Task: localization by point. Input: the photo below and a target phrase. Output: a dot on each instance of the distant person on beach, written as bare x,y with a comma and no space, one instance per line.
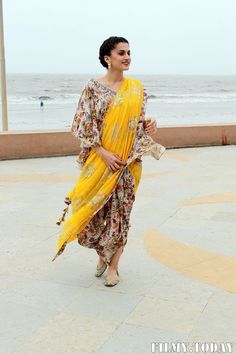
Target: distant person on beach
110,123
41,104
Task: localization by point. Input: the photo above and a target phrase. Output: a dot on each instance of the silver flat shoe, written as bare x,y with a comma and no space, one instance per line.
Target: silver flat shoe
100,270
112,282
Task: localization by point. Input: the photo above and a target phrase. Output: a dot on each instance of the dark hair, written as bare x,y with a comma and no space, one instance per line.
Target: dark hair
107,46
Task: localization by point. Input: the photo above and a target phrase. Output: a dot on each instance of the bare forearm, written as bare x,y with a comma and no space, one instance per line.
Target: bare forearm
99,149
112,160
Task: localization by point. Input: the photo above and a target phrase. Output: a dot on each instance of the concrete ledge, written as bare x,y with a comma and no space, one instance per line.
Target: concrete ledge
28,144
40,143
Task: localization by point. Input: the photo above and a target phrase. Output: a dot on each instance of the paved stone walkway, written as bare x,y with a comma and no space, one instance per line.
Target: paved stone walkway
177,272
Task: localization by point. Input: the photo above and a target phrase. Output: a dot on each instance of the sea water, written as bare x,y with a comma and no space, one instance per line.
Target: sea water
172,99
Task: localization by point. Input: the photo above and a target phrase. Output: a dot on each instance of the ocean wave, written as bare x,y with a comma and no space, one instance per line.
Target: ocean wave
66,84
73,98
61,99
194,98
45,98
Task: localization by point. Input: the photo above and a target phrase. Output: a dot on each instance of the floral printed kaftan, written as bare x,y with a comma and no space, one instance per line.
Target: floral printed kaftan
108,229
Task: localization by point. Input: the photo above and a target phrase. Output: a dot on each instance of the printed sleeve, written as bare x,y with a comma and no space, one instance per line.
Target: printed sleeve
85,123
140,128
145,144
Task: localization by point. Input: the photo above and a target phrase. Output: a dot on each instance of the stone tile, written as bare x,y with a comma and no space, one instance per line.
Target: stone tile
19,322
174,286
45,294
217,323
130,339
167,314
67,333
16,236
9,284
103,304
217,237
30,261
75,267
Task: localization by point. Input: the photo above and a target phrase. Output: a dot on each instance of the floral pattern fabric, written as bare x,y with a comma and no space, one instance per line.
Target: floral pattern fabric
108,229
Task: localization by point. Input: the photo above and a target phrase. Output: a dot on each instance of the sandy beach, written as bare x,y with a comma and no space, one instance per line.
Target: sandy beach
60,116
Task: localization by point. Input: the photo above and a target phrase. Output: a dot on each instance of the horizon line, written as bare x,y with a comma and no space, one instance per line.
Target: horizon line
143,74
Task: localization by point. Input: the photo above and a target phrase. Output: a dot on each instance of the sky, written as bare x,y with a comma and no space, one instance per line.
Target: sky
166,37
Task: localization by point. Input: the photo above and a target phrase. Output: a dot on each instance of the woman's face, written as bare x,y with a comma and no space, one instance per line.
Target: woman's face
120,57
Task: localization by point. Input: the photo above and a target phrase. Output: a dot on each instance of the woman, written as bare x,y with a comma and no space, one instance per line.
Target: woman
109,121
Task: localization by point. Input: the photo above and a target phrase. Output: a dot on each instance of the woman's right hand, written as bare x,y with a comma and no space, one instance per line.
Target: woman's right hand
112,160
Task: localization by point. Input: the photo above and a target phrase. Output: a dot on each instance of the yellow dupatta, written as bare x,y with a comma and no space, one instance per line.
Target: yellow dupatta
96,182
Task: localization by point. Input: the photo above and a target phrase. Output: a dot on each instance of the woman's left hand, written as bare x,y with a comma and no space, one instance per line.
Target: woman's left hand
151,127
